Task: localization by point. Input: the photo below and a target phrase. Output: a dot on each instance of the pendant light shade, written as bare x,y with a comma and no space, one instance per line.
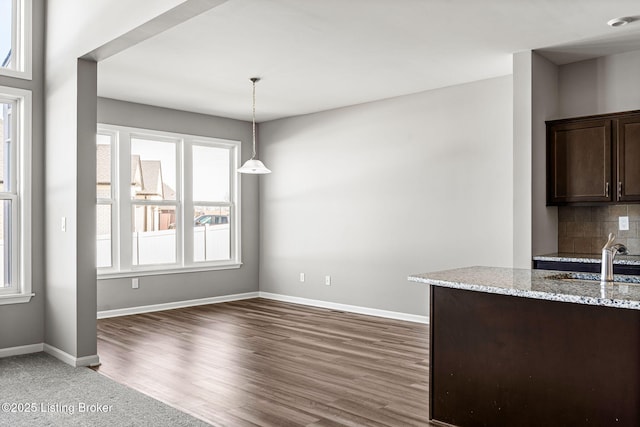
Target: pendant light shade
253,165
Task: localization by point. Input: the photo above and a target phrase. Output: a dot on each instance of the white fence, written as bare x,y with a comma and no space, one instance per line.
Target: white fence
210,243
154,247
103,250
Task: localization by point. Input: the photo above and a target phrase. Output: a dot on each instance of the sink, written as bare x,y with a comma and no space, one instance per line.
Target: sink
618,278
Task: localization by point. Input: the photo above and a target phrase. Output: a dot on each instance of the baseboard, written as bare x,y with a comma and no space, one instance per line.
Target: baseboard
20,350
268,295
348,308
173,305
53,351
71,360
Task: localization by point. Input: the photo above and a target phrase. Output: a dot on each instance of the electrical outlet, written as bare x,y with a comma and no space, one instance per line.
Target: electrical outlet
302,277
135,284
327,280
623,223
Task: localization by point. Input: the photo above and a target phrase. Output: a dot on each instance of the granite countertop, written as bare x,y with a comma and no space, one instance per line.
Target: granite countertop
588,258
540,284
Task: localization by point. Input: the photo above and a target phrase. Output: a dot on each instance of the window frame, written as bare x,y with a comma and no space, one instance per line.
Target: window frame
127,203
112,201
19,290
21,41
121,227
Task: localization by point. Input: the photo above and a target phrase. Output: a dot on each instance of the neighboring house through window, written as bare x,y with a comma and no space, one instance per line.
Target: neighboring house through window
165,201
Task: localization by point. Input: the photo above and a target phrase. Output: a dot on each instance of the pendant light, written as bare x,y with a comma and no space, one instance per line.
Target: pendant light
253,165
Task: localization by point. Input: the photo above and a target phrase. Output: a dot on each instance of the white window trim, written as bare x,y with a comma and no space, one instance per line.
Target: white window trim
22,41
20,292
121,214
113,202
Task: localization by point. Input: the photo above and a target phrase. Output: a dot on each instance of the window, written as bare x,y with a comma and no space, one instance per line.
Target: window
212,203
165,202
153,199
15,38
105,198
15,195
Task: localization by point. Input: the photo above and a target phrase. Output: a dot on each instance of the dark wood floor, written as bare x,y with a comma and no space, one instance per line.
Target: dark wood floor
266,363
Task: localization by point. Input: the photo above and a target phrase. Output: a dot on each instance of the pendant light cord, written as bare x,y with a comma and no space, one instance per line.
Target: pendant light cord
253,165
254,80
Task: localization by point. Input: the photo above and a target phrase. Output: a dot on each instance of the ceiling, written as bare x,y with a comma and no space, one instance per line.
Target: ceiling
315,55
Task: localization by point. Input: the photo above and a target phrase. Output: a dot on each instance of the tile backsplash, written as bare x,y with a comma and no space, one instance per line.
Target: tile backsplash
584,230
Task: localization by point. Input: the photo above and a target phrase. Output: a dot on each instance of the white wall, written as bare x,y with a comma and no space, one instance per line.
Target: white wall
372,193
602,85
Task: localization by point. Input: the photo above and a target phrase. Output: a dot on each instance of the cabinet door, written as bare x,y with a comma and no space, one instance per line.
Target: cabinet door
579,162
628,159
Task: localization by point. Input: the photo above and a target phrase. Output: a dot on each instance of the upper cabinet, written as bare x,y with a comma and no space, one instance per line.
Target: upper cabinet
579,161
594,160
628,156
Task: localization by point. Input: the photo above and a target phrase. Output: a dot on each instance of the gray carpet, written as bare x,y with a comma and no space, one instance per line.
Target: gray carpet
46,392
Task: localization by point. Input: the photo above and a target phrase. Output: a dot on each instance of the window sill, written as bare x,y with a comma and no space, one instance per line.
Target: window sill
157,272
15,298
9,72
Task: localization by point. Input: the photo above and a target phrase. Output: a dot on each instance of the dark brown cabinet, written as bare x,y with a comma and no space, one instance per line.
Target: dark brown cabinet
594,160
628,156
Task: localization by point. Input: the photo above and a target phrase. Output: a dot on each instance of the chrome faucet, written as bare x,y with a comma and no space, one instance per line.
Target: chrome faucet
609,252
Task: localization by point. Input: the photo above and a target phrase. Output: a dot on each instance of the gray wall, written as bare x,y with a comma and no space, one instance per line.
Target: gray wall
73,29
544,106
23,324
85,265
372,193
522,158
117,293
535,87
602,85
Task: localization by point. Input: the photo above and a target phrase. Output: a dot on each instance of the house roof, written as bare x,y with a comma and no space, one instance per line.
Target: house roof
169,193
153,181
136,172
152,184
146,175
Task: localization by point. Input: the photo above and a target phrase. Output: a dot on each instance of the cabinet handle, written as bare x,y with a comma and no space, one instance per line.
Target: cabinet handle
619,190
606,190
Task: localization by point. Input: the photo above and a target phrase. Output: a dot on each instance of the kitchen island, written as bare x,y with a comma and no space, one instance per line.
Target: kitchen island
512,347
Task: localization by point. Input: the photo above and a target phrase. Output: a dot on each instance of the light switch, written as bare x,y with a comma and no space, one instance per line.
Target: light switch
623,223
63,224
